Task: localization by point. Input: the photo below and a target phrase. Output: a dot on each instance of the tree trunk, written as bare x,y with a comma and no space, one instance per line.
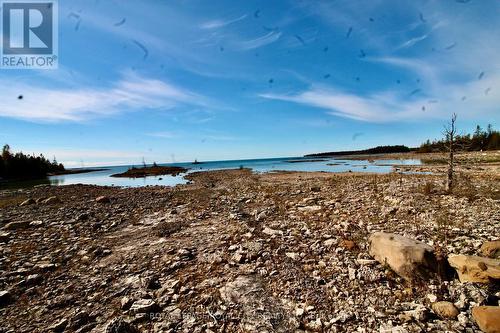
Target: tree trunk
450,133
449,186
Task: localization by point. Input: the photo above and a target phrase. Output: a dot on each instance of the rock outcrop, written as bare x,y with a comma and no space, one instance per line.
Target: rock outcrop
475,269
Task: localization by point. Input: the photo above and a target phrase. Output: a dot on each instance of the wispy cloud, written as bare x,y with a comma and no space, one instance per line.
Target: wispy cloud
215,24
412,41
132,92
267,39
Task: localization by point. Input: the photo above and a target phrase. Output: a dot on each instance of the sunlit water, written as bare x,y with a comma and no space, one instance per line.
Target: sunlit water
257,165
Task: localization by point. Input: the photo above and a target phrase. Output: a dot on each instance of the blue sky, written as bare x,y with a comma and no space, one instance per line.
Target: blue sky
208,80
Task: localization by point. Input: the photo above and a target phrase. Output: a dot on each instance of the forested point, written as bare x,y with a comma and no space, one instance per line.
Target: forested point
480,140
22,166
376,150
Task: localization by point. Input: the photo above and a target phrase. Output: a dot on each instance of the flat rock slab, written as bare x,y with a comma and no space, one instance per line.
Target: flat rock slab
260,311
409,258
475,269
487,318
143,306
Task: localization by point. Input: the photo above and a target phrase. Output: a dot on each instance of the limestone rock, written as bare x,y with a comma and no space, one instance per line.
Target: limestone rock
118,325
27,202
103,199
445,309
487,318
408,258
491,249
271,232
475,269
249,294
52,201
143,306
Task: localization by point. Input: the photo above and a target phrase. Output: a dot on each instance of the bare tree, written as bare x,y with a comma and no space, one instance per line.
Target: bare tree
450,131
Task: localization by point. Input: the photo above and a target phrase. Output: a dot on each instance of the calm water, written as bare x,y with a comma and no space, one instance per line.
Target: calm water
257,165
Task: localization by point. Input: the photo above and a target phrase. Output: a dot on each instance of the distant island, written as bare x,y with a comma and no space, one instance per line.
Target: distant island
153,170
371,151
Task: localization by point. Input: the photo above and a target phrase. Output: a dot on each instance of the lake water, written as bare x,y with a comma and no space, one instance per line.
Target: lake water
257,165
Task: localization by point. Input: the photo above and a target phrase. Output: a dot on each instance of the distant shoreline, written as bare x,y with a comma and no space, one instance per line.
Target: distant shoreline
370,151
75,171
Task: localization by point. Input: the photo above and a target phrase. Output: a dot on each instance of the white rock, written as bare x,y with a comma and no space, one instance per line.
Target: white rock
143,306
432,298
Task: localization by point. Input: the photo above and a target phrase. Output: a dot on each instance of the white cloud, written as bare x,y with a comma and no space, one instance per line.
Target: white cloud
131,93
389,106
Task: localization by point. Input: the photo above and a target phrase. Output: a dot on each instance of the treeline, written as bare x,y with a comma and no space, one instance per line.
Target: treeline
21,166
488,139
376,150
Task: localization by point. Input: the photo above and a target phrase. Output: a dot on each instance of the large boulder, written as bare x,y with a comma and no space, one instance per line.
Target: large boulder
475,269
445,309
487,318
411,259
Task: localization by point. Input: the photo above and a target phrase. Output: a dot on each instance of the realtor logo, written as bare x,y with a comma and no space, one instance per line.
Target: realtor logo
29,34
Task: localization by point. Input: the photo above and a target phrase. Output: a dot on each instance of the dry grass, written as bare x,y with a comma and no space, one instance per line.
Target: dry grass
465,187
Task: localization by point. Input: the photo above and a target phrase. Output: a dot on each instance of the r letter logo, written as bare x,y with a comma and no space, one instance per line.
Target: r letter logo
29,34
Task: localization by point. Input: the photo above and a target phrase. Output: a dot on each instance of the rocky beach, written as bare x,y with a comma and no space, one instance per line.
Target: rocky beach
236,251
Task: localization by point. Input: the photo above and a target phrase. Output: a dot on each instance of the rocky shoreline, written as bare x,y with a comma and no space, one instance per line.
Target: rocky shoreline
235,251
